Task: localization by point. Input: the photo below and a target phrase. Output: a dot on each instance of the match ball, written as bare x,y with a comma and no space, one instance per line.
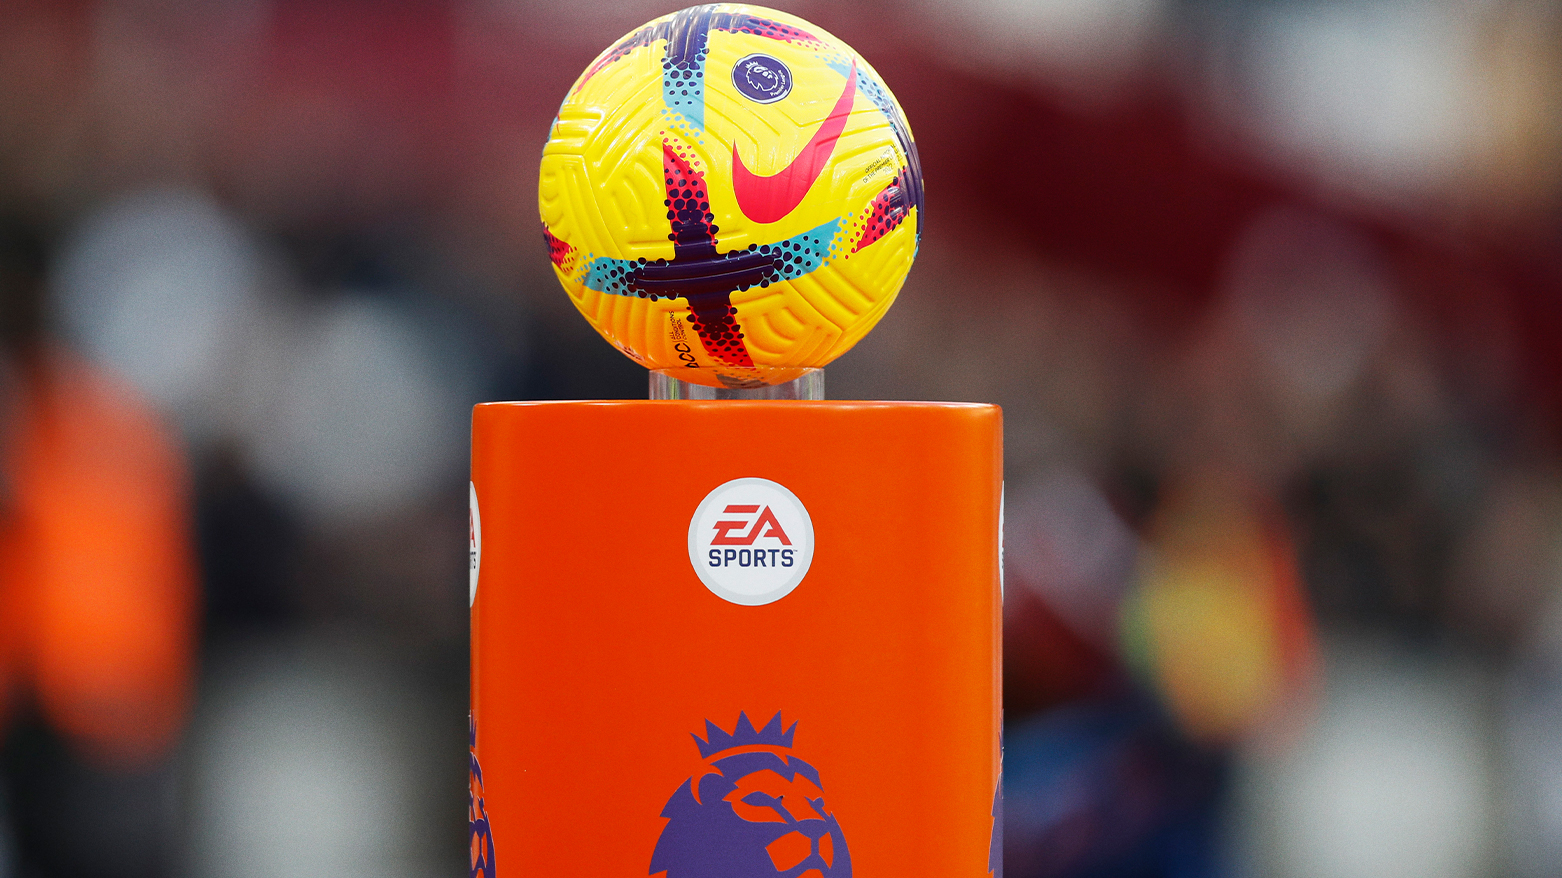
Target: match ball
731,194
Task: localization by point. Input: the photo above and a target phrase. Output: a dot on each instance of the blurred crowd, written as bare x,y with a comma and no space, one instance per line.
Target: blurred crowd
1270,292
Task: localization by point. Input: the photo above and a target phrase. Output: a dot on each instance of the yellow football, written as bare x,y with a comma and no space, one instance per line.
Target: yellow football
731,194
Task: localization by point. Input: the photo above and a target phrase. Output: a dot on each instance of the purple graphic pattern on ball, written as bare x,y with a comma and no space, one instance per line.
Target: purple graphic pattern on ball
753,811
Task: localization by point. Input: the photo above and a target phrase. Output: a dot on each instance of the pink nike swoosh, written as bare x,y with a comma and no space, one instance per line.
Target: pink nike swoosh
768,199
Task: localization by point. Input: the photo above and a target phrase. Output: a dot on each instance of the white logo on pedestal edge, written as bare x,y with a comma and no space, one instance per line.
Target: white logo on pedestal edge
474,526
751,541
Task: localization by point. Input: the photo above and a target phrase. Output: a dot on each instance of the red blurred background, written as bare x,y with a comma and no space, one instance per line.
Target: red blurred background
1271,293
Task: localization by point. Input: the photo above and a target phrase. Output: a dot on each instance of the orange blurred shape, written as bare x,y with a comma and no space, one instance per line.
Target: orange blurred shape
1217,620
97,572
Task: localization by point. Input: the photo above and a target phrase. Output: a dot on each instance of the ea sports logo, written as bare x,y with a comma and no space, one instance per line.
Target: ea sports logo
751,541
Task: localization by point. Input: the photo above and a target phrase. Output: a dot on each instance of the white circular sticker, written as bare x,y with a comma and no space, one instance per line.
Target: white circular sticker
751,541
474,527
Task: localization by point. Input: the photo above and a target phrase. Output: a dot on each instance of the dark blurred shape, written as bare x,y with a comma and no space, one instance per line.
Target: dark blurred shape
1068,559
1045,663
132,815
1108,788
1375,547
23,264
248,548
594,370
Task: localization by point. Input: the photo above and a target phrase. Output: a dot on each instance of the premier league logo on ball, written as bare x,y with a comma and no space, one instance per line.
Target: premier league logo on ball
753,811
761,78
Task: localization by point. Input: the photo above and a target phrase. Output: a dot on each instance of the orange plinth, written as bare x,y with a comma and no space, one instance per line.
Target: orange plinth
735,638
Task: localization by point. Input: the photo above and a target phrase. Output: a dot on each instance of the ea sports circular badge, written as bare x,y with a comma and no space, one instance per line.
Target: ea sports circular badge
474,529
751,541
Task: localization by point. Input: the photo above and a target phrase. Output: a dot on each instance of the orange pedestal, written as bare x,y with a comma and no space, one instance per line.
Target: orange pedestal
735,639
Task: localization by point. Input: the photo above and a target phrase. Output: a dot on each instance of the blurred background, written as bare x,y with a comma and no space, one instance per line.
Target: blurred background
1270,292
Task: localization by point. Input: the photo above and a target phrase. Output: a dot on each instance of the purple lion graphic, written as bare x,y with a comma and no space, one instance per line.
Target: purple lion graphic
482,837
753,811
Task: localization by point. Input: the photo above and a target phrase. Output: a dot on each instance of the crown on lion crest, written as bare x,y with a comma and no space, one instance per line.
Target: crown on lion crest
717,740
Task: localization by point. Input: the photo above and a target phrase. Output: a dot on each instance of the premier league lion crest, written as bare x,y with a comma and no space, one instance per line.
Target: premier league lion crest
753,811
480,834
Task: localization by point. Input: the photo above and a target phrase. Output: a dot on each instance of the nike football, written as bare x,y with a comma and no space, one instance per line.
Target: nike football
731,194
